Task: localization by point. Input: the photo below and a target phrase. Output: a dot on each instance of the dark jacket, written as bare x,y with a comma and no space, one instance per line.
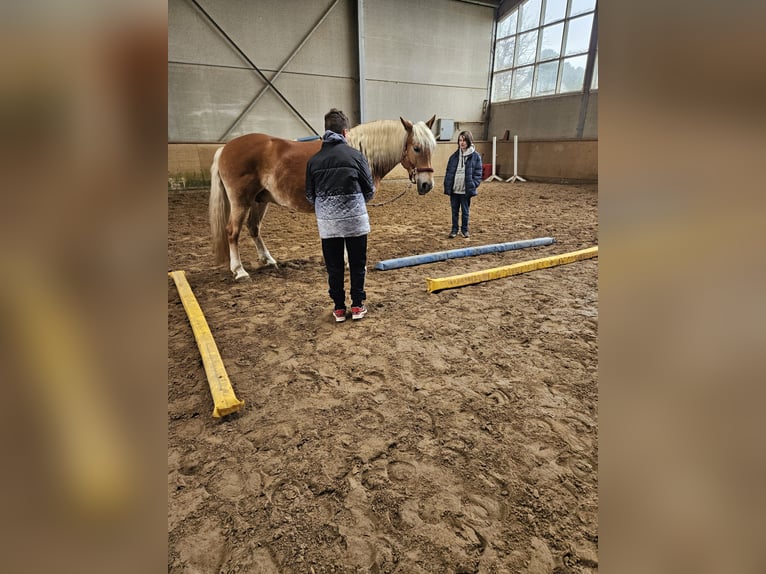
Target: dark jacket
339,185
473,172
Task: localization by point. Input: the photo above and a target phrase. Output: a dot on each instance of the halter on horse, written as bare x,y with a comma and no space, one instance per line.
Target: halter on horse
412,169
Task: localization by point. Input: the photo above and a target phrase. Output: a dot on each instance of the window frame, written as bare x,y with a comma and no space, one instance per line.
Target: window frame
539,29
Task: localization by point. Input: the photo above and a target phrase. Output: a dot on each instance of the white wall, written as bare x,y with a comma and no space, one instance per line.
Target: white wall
550,118
421,58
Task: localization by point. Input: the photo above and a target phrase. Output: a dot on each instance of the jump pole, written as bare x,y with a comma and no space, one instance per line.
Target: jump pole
508,270
387,264
494,175
224,400
515,176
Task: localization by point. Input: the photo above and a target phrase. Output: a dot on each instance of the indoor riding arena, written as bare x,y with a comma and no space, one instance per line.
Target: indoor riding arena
453,429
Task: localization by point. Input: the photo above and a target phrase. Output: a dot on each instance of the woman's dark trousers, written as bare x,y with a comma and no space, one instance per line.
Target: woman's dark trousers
458,201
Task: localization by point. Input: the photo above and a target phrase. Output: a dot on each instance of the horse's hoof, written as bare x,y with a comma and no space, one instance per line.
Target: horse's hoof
241,276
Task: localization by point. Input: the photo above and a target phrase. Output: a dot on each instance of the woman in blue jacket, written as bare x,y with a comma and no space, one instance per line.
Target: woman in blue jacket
461,180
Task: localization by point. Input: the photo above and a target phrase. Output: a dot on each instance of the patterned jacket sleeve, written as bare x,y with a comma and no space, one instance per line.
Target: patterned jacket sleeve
310,191
365,179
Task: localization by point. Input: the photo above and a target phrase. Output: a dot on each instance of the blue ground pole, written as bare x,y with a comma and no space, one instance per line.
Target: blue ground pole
463,252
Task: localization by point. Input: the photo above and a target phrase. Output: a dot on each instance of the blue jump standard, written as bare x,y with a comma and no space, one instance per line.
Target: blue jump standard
463,252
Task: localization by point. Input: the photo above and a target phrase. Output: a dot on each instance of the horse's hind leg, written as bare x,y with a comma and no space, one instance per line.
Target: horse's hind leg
257,212
233,228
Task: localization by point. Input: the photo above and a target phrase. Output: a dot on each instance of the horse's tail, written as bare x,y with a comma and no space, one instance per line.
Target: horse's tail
219,212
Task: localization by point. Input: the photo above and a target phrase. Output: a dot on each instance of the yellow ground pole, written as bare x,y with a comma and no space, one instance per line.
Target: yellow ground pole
224,399
508,270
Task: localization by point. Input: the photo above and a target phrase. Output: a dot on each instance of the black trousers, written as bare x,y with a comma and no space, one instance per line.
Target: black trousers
332,249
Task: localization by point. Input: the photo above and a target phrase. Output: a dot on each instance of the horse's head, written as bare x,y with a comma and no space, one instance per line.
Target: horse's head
416,157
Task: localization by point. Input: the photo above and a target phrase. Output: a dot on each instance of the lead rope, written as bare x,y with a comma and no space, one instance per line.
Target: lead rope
392,199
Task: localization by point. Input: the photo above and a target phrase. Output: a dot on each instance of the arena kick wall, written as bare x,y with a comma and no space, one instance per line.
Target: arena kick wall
572,161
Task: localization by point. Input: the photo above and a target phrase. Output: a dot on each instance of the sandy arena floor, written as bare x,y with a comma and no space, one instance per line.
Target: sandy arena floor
449,432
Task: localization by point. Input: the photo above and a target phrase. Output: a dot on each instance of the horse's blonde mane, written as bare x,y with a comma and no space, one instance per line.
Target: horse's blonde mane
382,142
424,137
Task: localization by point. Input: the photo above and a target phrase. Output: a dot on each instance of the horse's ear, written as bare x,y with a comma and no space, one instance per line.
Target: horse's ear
430,122
406,123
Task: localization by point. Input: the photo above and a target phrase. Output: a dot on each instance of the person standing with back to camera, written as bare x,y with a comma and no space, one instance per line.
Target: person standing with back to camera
463,177
339,185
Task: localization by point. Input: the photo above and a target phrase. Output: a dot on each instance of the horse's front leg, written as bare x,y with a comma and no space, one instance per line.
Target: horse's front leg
257,212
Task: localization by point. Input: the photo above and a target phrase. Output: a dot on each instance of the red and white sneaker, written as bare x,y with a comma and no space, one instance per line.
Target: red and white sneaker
340,315
358,312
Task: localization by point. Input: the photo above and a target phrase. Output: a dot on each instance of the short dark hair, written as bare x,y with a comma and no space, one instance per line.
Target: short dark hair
467,136
336,121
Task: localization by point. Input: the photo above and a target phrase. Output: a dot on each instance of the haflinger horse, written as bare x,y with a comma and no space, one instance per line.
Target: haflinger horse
253,170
